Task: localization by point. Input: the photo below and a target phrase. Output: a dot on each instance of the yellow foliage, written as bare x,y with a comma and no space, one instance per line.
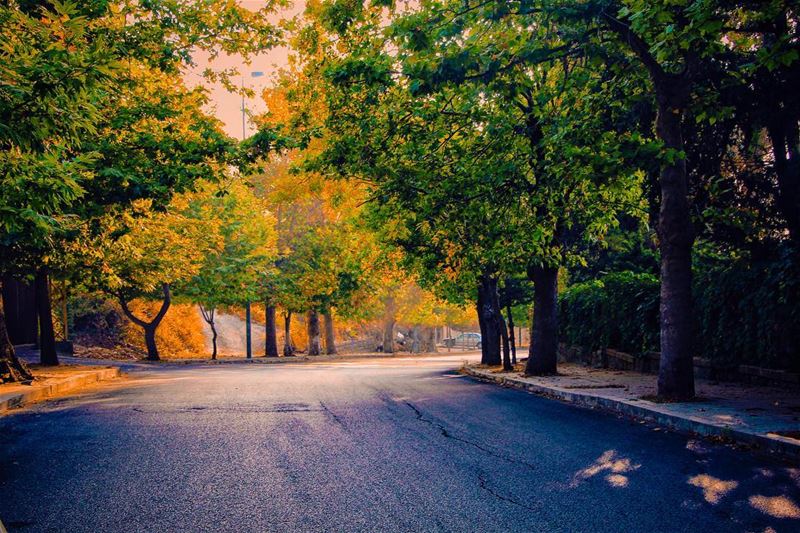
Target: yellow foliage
179,335
258,316
420,307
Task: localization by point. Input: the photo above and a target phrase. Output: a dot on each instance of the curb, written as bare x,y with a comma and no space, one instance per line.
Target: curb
261,360
651,413
39,393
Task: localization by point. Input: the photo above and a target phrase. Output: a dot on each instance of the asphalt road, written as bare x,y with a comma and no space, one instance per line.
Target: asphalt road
369,445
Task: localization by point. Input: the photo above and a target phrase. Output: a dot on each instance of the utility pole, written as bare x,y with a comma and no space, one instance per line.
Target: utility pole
248,320
244,132
249,336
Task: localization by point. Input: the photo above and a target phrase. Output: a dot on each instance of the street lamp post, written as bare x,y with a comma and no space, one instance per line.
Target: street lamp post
248,320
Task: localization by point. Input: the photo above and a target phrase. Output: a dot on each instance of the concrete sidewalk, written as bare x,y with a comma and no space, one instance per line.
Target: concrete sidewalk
52,382
766,418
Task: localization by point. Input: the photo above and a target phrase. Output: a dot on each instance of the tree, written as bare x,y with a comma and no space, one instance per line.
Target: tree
685,48
50,68
62,63
327,256
516,292
330,334
230,275
135,257
453,100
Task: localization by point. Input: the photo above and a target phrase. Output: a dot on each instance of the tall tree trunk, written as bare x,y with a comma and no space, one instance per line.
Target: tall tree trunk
248,331
12,370
213,340
784,133
490,311
208,316
507,366
511,335
271,333
388,325
785,140
47,336
416,339
675,233
288,346
19,306
481,323
388,336
150,327
429,335
150,343
313,333
330,334
676,372
543,351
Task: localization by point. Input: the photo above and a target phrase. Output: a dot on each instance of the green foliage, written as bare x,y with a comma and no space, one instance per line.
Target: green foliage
50,68
93,119
501,158
327,266
153,140
131,255
230,274
618,310
749,311
746,312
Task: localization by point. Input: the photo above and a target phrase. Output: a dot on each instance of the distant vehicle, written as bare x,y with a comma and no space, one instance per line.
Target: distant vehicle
464,340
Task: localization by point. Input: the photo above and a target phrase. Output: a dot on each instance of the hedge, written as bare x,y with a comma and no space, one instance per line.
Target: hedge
749,313
618,310
746,312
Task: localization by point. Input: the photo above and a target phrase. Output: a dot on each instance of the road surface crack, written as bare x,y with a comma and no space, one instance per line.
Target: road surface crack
485,486
445,433
333,415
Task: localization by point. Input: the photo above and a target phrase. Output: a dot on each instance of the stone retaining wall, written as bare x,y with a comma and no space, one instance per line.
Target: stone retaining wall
648,362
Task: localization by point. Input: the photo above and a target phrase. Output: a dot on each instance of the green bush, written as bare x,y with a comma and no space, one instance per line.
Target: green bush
618,310
746,312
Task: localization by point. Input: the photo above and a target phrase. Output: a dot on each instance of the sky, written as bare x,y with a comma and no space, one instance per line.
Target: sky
228,106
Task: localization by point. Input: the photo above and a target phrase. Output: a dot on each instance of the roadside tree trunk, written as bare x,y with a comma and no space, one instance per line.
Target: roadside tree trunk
543,351
429,340
785,140
271,333
490,312
19,306
388,336
481,323
150,327
208,316
12,370
676,372
388,326
507,366
44,309
416,339
330,334
784,135
288,345
675,233
511,338
314,347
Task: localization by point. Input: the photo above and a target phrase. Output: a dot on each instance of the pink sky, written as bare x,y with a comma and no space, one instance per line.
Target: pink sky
228,106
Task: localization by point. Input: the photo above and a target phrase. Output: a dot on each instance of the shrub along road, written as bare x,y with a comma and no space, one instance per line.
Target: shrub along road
402,444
